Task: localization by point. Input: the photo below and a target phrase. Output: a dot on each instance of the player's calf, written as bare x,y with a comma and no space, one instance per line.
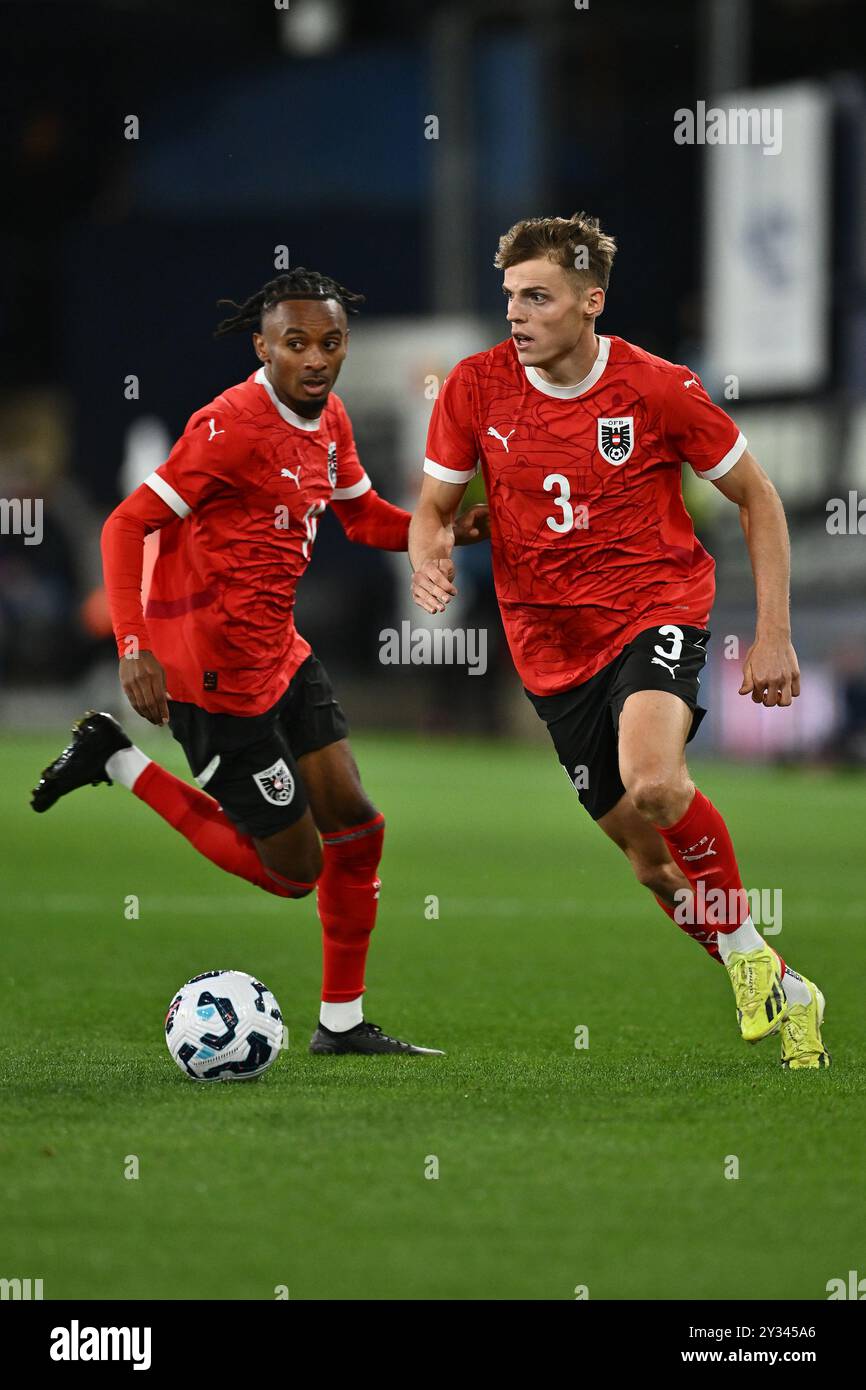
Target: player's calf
655,870
673,893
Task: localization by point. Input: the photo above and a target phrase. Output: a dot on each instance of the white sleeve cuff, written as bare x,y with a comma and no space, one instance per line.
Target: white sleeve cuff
345,494
449,475
726,464
165,490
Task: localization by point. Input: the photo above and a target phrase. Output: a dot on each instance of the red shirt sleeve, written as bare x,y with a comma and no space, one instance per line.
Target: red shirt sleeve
370,520
204,461
365,516
452,448
352,481
122,562
697,431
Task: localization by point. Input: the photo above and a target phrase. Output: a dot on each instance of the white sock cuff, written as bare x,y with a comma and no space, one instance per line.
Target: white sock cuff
126,766
339,1018
745,938
795,987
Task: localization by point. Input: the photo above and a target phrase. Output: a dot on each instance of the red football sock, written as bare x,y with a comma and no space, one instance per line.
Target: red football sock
199,818
701,848
702,935
347,898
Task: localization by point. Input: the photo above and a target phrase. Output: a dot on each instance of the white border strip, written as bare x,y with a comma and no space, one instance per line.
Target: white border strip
449,475
172,499
207,773
568,393
345,494
731,457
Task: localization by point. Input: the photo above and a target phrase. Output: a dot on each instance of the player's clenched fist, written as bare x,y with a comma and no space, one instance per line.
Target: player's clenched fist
143,681
432,585
770,673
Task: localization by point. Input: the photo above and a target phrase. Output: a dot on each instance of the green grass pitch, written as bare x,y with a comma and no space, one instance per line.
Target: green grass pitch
557,1167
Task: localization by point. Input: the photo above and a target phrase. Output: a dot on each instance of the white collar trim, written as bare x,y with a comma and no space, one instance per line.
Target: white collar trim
299,422
567,393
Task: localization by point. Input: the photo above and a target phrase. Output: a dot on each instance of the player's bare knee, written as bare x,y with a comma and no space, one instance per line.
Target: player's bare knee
658,797
300,864
307,867
650,794
361,812
349,812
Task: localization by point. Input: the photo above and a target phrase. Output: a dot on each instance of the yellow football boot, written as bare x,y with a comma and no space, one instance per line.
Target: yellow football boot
757,982
802,1045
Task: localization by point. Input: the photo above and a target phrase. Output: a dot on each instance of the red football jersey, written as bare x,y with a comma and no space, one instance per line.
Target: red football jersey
591,539
250,478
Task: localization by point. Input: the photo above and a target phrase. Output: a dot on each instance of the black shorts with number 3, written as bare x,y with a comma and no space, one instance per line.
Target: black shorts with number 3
584,722
249,763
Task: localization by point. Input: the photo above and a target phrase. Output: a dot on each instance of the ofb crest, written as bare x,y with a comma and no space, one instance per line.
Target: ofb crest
616,438
332,464
276,783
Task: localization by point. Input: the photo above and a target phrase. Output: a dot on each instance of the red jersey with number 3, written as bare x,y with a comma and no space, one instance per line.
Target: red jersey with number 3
591,539
249,480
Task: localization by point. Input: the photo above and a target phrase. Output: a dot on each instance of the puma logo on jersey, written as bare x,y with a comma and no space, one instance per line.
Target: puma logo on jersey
213,429
295,477
693,382
671,670
704,840
503,439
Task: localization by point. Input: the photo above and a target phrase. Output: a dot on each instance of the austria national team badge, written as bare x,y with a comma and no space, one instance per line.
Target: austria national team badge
276,783
616,438
332,464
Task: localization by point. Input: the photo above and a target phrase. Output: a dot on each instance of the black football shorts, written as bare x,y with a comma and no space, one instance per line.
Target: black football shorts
584,722
249,764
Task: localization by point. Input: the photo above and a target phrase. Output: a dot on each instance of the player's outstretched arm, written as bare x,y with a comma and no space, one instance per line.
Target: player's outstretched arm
123,535
370,520
431,541
770,671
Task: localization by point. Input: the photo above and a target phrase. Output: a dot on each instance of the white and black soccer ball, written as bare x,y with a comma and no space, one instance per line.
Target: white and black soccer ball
224,1026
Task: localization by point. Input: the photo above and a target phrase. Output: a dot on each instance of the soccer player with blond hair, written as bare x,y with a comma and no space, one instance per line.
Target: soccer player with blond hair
605,591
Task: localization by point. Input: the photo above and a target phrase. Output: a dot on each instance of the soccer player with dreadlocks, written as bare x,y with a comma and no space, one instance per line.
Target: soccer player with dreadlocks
217,657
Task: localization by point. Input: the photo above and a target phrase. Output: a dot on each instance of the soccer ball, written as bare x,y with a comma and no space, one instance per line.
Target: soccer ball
224,1026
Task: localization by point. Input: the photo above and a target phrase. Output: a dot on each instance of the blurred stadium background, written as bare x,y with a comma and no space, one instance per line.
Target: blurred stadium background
308,127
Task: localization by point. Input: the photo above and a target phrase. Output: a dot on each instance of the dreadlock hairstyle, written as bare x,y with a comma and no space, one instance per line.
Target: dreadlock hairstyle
295,284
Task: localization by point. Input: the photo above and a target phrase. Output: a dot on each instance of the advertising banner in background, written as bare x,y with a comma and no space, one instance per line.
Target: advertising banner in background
768,228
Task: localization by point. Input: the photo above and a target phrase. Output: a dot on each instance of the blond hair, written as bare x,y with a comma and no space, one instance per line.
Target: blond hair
576,243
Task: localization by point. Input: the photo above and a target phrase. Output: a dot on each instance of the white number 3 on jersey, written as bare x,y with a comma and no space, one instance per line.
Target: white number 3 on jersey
566,521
